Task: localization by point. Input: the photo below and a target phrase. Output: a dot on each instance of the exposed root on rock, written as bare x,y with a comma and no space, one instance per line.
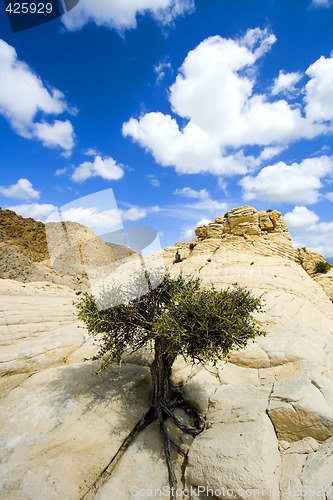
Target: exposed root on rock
161,413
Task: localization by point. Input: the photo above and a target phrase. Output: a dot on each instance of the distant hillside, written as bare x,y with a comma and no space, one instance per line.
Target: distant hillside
27,235
59,252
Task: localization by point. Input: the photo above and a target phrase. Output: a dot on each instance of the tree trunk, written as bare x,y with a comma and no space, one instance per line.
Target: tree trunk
161,373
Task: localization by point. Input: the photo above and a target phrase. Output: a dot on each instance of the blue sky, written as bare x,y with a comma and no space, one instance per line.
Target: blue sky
185,109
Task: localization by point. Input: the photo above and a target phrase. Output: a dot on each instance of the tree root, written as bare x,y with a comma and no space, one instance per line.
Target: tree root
141,425
192,431
161,413
168,456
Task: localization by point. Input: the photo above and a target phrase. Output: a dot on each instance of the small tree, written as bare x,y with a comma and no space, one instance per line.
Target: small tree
177,258
322,267
179,318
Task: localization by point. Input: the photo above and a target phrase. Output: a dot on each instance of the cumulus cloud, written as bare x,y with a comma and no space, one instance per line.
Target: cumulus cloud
106,168
23,95
214,95
38,211
122,14
285,82
300,218
188,233
91,217
56,134
319,90
295,183
308,231
22,190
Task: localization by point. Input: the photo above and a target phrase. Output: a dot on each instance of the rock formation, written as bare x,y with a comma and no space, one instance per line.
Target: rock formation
269,409
266,232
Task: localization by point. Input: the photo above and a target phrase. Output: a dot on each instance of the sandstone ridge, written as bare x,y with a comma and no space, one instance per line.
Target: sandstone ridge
262,232
246,221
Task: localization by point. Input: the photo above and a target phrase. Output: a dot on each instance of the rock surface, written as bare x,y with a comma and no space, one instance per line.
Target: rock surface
265,232
269,410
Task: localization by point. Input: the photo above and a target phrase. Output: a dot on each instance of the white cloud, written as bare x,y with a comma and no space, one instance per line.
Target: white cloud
161,69
282,183
214,94
210,205
322,3
153,180
285,82
301,218
133,214
270,152
190,151
222,184
258,41
23,95
106,168
60,171
319,90
91,217
22,190
307,231
188,192
96,218
91,152
188,233
122,14
206,202
38,211
58,134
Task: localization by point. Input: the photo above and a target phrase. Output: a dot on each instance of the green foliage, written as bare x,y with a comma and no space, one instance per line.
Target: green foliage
201,324
177,258
269,210
192,246
322,267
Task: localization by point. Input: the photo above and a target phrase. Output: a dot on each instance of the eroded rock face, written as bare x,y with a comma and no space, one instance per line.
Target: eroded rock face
244,221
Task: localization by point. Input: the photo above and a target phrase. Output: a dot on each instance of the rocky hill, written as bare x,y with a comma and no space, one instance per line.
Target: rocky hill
255,233
27,235
62,253
269,410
